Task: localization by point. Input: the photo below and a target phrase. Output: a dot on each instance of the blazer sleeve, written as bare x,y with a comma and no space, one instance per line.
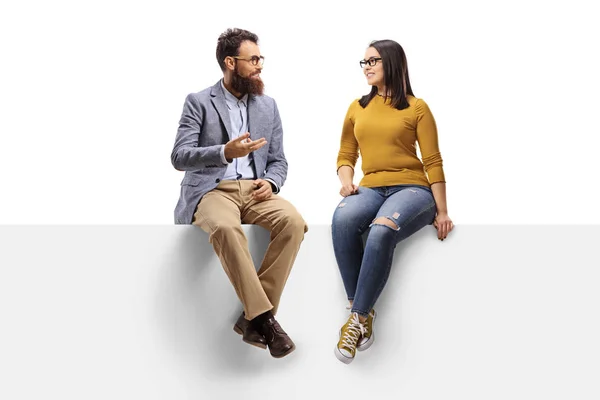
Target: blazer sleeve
186,154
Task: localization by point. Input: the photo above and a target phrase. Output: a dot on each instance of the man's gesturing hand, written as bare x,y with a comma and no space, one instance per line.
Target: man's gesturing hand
242,146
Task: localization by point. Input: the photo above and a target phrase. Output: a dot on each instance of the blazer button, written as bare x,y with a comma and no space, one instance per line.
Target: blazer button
217,180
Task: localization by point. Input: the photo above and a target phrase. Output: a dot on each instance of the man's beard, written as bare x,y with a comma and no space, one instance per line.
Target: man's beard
246,85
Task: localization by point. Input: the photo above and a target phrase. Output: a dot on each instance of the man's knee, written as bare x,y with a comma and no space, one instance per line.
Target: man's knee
293,221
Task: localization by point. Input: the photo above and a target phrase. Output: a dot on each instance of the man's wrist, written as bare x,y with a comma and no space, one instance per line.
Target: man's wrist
224,159
274,187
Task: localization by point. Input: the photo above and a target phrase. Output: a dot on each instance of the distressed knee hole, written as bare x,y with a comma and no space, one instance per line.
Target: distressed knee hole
341,205
387,221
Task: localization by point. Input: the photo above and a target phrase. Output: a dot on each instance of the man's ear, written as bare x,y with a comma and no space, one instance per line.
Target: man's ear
229,63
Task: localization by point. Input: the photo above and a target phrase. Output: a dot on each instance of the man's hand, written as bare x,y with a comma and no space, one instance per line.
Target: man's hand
242,146
262,190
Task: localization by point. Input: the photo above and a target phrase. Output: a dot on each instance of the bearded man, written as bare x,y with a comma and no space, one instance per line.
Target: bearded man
230,145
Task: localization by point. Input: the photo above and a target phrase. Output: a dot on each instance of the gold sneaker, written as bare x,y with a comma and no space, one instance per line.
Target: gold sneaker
367,337
350,334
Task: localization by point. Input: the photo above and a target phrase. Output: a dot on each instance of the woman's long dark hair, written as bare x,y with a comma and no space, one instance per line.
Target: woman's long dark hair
395,74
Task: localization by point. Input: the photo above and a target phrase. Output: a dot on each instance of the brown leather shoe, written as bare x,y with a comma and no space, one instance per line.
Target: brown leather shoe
249,333
280,344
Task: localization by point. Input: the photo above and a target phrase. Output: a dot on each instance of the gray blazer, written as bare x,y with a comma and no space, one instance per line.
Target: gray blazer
204,127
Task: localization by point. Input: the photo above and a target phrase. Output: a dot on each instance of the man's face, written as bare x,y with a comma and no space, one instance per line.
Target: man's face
244,62
246,76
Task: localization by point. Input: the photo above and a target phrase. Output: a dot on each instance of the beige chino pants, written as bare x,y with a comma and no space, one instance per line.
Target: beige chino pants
221,212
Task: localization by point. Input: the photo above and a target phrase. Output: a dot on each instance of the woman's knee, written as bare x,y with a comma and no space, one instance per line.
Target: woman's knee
385,221
345,214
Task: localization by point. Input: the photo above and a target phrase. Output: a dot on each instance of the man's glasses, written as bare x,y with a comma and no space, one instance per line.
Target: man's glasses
371,61
254,60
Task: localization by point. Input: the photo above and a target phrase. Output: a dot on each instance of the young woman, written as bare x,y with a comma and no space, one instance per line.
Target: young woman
398,195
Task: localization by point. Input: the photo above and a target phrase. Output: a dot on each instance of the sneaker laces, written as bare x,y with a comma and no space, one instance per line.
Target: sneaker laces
353,332
365,329
365,326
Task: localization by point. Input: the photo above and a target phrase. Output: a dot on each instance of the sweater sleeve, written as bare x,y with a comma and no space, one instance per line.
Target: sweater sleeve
348,154
428,143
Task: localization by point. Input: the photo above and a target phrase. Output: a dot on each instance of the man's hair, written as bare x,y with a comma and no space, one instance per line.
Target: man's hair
229,43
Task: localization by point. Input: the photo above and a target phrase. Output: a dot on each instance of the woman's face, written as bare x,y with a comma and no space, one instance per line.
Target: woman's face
373,73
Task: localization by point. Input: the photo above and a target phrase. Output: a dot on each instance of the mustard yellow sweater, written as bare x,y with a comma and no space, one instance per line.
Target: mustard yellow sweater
386,138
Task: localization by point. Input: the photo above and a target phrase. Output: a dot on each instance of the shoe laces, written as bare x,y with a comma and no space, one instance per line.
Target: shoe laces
275,327
354,330
365,326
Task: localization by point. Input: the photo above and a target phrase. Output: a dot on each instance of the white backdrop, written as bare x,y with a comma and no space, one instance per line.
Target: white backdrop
91,94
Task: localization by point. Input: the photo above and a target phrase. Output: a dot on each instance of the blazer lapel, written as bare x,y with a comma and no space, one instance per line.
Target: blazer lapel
256,129
254,119
218,100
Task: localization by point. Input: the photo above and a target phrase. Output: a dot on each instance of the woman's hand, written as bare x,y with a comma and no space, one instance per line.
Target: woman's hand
443,224
348,189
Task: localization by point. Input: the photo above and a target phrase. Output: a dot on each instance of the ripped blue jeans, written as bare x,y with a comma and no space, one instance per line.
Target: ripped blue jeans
365,268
